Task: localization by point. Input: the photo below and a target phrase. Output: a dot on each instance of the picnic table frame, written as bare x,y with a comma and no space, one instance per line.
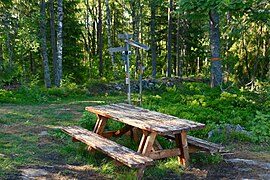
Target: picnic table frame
143,126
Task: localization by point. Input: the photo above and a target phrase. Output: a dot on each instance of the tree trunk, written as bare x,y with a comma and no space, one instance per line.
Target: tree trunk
32,63
100,43
216,71
44,45
88,39
153,38
169,45
53,40
1,59
60,15
10,51
109,36
183,48
178,66
135,23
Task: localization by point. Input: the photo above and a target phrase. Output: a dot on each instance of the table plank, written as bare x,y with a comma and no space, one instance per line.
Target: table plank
145,119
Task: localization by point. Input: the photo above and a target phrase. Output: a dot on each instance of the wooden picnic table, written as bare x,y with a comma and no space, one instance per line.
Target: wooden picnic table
144,126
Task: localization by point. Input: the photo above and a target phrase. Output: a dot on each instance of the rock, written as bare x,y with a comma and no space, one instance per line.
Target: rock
43,133
263,165
229,128
34,172
264,176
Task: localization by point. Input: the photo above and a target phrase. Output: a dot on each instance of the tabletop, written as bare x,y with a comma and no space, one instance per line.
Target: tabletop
145,119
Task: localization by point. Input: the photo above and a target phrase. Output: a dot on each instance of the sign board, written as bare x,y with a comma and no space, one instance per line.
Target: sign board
138,45
117,49
124,36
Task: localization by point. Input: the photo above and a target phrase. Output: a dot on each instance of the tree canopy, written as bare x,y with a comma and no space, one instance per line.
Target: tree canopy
180,41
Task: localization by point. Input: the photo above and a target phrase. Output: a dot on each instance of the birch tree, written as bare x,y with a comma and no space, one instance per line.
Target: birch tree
60,15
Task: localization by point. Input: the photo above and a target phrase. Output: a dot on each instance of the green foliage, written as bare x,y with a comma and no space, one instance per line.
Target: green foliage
33,93
198,102
260,127
88,120
97,86
6,96
206,159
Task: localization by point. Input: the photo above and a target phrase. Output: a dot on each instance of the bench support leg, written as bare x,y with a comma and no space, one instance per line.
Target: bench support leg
140,173
147,142
181,143
100,125
99,129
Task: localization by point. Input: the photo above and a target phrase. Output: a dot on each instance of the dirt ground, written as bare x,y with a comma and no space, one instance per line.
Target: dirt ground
226,170
222,171
234,165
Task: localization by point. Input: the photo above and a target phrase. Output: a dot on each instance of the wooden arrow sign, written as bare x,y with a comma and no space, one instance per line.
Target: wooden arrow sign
124,36
117,49
136,44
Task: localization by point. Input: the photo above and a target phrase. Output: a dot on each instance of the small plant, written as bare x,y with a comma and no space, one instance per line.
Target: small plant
204,158
88,120
260,127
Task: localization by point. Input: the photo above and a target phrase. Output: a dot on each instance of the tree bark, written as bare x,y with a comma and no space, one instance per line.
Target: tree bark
169,44
10,51
100,43
60,15
44,46
32,63
135,23
1,59
178,66
87,39
109,36
153,38
53,40
216,71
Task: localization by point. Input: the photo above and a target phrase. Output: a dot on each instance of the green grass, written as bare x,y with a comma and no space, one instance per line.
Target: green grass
23,119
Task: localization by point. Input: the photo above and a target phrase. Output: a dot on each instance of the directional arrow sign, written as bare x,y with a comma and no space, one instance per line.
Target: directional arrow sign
136,44
117,49
124,36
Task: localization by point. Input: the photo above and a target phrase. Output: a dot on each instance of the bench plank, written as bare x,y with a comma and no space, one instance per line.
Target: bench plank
116,151
212,147
201,144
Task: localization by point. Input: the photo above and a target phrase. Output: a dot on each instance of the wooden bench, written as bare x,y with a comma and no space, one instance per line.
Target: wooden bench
197,144
116,151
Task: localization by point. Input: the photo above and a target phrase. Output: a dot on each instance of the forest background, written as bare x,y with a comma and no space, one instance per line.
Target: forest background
54,40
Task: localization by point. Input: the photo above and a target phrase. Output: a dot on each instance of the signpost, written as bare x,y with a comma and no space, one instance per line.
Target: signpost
125,51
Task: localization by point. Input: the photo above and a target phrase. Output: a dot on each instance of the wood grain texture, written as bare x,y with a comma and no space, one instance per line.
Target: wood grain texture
118,152
198,144
145,119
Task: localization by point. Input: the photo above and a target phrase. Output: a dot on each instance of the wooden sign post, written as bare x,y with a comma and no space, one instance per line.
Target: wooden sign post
125,51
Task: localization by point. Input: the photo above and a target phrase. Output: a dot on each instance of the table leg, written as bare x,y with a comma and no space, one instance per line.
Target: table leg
147,141
181,143
99,129
100,124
